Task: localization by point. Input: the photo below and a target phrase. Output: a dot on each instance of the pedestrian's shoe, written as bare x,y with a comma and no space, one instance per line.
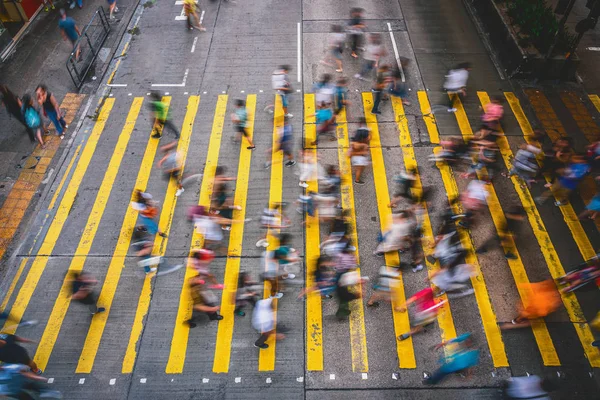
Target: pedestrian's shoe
162,234
218,286
99,310
46,9
375,304
261,346
511,256
262,243
191,324
240,313
376,112
288,115
417,268
276,296
290,163
404,336
303,184
179,191
217,318
289,276
560,203
452,110
156,136
37,371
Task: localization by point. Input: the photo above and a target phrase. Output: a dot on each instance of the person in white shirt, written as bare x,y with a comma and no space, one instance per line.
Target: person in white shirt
372,55
456,84
282,87
336,48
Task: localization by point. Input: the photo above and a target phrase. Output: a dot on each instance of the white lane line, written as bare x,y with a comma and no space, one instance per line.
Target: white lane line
194,44
593,48
299,73
201,17
396,52
173,84
116,84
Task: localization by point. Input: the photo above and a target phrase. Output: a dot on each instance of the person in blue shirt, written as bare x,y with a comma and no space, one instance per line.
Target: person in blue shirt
461,356
325,121
69,30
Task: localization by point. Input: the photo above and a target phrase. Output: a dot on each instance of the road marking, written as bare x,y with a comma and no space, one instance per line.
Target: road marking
194,44
428,117
299,55
39,264
593,48
555,267
396,52
540,331
404,348
181,330
314,314
232,267
266,358
160,244
445,320
61,305
182,84
117,263
358,335
595,100
583,243
488,316
114,71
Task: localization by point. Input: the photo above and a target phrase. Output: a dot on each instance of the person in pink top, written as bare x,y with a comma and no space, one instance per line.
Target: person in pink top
425,311
493,113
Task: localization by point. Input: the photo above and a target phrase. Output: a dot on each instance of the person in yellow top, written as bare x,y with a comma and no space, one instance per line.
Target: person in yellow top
192,16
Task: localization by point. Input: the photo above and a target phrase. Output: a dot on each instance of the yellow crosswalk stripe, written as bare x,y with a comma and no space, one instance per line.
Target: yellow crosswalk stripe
232,267
314,317
554,265
181,331
595,101
39,264
583,242
488,317
358,334
581,115
445,321
404,348
540,331
160,244
59,311
266,357
117,263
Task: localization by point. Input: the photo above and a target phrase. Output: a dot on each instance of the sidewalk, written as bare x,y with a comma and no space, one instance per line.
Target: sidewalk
40,57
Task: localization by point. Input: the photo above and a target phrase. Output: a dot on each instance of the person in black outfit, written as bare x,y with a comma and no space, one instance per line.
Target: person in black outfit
81,285
514,218
12,353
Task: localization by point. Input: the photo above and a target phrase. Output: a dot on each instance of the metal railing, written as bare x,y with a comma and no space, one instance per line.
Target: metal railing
90,42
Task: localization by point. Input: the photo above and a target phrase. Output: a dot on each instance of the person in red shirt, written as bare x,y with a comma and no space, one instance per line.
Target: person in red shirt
425,311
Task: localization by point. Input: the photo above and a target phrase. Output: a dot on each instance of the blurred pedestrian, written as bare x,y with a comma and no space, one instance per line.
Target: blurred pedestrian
336,48
51,109
70,31
356,29
112,8
191,12
240,122
398,236
359,150
379,85
200,260
47,3
456,84
529,387
82,285
461,355
325,121
425,311
263,320
493,114
248,292
33,120
13,353
373,53
172,165
204,301
543,299
341,96
18,382
567,181
282,86
507,232
386,286
348,288
273,217
396,87
525,164
162,116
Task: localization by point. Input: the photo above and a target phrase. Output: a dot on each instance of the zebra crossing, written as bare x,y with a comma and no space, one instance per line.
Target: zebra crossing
147,315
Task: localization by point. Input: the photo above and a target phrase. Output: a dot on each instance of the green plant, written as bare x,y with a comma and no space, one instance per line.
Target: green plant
538,22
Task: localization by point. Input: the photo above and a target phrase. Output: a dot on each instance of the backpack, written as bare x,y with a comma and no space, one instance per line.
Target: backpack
32,118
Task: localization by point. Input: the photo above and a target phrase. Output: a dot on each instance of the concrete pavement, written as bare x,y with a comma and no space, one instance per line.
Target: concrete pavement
143,342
